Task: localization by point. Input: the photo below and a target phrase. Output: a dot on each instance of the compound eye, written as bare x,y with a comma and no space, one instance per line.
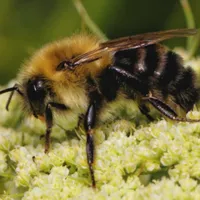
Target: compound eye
37,92
39,85
64,65
36,89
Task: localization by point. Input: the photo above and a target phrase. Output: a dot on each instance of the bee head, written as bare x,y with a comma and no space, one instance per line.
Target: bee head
37,92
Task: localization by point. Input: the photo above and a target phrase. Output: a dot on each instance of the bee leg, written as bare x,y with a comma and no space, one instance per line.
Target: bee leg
49,125
131,80
124,74
167,110
49,121
145,111
89,125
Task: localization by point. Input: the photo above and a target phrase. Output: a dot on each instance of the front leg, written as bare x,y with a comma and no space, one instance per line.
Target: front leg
89,124
49,121
49,124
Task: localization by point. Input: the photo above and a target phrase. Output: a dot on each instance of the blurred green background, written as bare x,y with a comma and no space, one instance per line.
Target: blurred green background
26,25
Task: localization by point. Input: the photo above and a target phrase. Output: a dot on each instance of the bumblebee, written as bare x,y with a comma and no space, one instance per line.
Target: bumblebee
82,75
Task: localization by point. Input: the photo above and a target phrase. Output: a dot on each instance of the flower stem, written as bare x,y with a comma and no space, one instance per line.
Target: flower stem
192,42
88,21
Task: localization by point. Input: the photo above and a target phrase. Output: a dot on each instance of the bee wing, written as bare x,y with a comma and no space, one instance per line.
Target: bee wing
131,42
146,39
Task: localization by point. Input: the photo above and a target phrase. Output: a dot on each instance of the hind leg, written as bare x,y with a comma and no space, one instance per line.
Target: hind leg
166,110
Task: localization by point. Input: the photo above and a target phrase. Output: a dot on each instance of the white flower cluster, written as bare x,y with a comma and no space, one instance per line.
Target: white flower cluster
133,160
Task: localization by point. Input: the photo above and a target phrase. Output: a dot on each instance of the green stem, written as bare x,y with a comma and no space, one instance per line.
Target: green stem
192,42
87,20
195,44
188,13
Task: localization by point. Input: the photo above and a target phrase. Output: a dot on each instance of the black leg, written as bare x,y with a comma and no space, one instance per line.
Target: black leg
49,121
49,124
145,111
131,80
89,124
166,110
124,73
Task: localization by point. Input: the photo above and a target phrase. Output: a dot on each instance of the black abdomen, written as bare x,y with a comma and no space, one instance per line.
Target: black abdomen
162,70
